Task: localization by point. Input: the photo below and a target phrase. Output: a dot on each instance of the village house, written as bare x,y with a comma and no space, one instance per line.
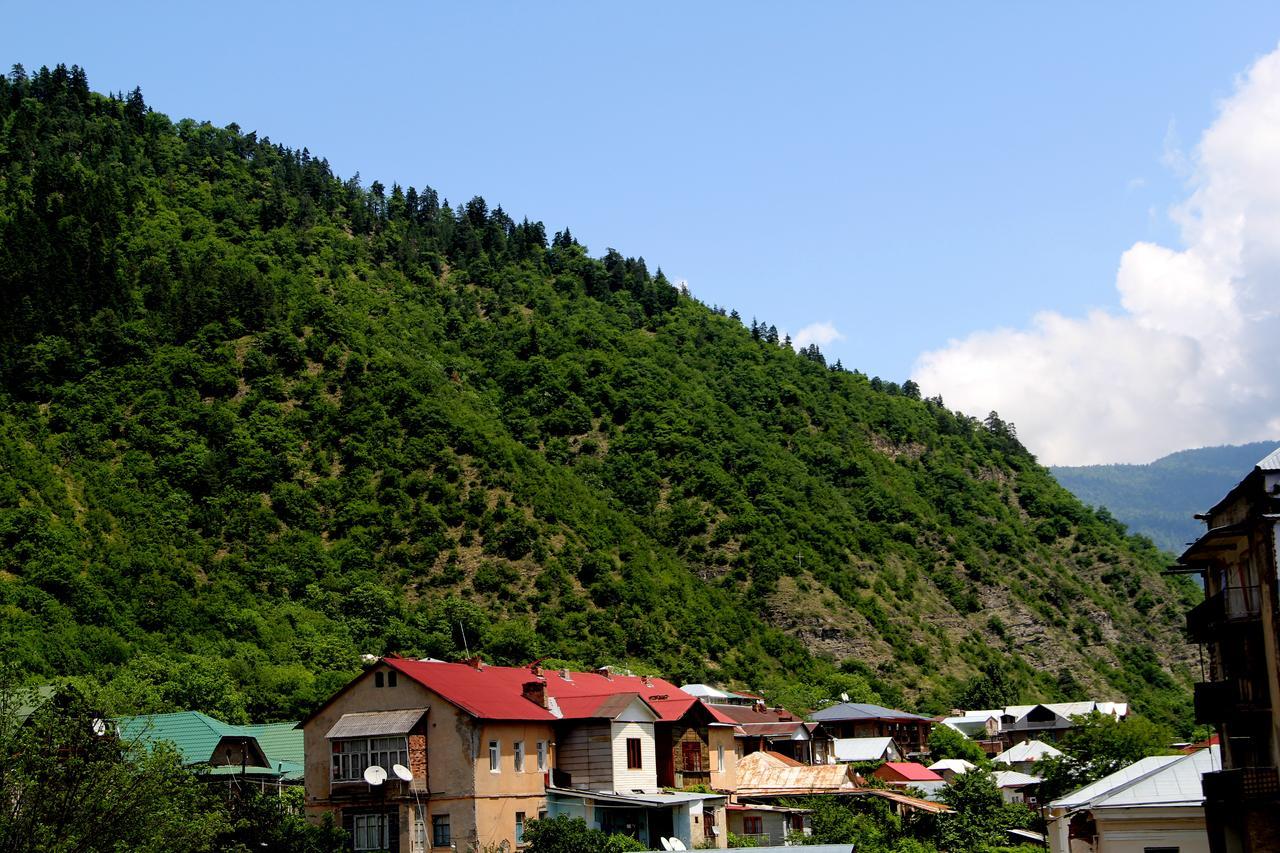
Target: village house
1236,624
266,753
1155,804
471,753
862,720
997,729
758,728
768,825
1023,756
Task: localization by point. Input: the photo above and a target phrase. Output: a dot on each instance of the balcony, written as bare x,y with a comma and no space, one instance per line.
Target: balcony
1241,784
1224,701
1237,604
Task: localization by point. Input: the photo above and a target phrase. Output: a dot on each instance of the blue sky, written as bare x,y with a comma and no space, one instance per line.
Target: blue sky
909,173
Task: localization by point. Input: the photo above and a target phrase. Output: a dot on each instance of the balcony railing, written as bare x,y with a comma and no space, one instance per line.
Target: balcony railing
1233,604
1241,784
1224,701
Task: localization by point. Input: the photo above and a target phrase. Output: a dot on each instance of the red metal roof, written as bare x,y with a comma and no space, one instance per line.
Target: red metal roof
495,692
908,770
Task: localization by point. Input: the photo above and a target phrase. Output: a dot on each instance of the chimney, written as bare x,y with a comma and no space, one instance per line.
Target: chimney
565,675
648,681
535,692
475,663
536,669
606,672
760,706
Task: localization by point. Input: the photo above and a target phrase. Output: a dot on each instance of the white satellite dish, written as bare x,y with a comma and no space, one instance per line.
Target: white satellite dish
375,775
844,697
99,726
666,845
677,844
404,774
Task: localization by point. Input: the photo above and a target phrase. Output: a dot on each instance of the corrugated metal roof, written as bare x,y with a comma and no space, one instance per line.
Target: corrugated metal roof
496,692
1176,784
606,707
195,735
1014,779
863,711
865,748
1028,750
794,731
376,723
908,770
1135,772
952,765
761,773
1270,462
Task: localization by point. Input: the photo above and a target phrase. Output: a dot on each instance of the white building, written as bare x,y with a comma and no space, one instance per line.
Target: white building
1153,804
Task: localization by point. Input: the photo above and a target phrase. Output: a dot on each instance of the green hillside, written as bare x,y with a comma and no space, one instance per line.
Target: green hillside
258,421
1160,499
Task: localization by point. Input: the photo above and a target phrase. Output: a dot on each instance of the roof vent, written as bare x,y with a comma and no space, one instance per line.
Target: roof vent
606,672
475,663
566,675
648,681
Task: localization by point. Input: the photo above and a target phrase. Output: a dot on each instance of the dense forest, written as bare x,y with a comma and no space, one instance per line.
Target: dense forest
1161,498
259,420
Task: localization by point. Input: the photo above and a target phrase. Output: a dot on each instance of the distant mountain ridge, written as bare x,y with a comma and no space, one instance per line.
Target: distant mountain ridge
1159,499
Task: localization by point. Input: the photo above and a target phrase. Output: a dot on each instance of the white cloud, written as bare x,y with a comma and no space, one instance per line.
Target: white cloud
816,333
1191,359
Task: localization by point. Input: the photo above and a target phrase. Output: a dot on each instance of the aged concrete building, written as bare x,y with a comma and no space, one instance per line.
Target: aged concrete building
1238,624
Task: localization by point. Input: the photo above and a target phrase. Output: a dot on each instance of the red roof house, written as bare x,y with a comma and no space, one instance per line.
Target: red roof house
905,773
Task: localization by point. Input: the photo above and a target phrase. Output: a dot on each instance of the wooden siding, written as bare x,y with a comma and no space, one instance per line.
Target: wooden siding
586,754
625,779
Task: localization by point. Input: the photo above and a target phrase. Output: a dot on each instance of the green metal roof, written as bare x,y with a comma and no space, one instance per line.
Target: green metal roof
28,699
196,736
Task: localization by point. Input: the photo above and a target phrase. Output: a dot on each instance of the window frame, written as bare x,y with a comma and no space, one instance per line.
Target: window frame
521,819
517,754
495,756
441,822
364,823
542,756
635,753
358,760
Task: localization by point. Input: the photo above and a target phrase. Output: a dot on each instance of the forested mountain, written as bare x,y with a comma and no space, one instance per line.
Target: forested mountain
258,421
1159,499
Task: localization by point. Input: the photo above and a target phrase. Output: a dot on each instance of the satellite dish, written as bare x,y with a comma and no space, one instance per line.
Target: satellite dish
404,774
844,697
666,845
375,775
99,726
677,844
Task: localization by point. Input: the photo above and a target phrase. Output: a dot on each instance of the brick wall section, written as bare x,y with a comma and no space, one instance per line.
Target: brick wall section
418,759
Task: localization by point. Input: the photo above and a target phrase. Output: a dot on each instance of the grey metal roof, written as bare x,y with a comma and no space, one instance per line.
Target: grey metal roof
376,723
1270,462
863,711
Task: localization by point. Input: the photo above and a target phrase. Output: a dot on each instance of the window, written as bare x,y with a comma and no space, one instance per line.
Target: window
518,750
377,679
495,757
369,832
709,822
691,753
353,755
720,758
391,678
633,753
440,834
542,756
753,826
519,827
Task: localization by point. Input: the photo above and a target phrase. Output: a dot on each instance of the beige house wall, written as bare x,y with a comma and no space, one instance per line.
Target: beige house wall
481,804
721,737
